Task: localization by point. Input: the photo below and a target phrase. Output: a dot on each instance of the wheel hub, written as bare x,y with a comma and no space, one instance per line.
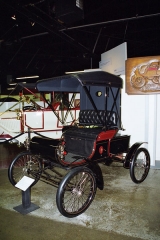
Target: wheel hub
77,192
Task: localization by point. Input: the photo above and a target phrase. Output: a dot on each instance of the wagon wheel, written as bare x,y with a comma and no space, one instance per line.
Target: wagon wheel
140,165
156,80
138,82
24,164
76,192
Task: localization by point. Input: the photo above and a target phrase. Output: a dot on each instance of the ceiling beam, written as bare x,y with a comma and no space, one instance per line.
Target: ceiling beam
28,14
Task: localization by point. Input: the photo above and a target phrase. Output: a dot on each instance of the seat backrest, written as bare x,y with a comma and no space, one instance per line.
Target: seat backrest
90,117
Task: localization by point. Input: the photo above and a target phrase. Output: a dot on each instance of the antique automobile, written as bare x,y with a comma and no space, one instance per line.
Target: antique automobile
72,162
145,72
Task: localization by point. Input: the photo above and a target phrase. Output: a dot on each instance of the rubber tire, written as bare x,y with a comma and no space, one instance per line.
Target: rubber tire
21,157
62,190
133,166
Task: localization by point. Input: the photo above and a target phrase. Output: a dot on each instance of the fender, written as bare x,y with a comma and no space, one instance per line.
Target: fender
130,153
98,174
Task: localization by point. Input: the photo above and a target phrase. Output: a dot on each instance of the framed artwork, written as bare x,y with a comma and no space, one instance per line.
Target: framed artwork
143,75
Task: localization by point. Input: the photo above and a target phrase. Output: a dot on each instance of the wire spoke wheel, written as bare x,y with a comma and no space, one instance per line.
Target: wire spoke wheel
140,165
76,192
24,164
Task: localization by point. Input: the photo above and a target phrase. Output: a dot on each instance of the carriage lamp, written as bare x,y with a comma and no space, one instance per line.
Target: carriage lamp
65,153
98,93
101,150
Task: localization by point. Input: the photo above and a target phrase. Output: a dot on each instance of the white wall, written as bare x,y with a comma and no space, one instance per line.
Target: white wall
158,128
132,112
113,61
140,115
141,119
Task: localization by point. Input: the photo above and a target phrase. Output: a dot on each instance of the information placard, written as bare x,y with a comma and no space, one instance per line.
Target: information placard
24,183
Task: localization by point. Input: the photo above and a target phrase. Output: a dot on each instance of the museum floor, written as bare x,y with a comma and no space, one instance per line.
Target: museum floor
122,211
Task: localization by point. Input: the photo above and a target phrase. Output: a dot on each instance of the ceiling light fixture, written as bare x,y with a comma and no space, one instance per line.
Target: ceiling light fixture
73,72
12,83
14,17
86,70
15,83
36,76
10,88
32,24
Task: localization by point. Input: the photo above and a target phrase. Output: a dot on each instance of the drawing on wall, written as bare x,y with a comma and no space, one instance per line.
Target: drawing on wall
144,77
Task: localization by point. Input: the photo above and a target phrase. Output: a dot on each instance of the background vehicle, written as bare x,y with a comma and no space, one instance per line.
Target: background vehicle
49,117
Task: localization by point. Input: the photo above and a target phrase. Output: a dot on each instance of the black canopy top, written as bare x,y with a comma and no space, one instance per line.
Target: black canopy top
74,82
